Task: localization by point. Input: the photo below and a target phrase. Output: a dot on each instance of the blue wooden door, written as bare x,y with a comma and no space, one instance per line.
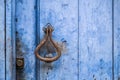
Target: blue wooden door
87,31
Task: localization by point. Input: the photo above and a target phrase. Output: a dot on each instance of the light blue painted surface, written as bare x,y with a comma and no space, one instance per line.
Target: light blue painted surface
25,37
84,26
117,39
95,40
63,15
10,41
2,40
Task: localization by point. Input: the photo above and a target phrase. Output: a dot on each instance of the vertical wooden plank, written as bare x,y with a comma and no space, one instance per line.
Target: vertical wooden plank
63,15
10,41
25,38
95,40
117,39
2,40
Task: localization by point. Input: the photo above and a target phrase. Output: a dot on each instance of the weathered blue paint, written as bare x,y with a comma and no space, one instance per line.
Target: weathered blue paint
63,15
25,37
84,26
117,39
95,40
2,40
10,41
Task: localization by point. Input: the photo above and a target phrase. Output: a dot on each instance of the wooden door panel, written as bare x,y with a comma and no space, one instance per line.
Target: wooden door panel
25,38
87,31
95,40
63,15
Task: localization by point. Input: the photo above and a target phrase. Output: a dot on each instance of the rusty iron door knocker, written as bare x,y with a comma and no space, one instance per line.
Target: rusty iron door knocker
48,35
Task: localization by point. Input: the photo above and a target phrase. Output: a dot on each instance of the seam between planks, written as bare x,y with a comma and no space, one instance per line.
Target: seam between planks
13,39
37,37
112,39
5,34
78,42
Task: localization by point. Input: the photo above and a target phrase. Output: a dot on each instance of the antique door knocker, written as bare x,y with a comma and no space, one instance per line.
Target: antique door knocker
48,36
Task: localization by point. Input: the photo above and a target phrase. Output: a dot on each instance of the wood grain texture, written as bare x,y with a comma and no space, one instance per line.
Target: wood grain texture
25,38
95,40
117,39
2,40
63,15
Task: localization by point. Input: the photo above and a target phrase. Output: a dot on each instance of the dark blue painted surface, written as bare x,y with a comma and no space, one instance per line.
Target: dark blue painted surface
86,31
